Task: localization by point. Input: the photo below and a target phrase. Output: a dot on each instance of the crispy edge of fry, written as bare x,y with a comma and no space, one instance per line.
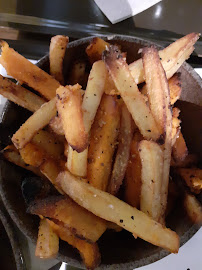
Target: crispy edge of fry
95,49
23,70
192,177
122,214
57,51
20,95
179,150
47,245
193,208
172,57
151,156
34,123
103,140
132,97
69,106
123,152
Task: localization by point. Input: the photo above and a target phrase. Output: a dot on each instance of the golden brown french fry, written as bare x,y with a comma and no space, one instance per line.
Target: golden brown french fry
89,251
172,57
151,156
77,74
179,150
32,154
110,208
80,221
110,88
95,49
193,208
13,156
192,177
133,178
23,70
20,95
34,123
123,152
175,125
103,139
69,104
132,97
47,245
57,51
77,162
56,126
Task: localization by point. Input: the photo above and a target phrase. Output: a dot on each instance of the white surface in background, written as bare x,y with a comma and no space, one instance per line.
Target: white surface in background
119,10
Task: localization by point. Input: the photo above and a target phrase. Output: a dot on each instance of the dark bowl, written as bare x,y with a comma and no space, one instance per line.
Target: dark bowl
118,250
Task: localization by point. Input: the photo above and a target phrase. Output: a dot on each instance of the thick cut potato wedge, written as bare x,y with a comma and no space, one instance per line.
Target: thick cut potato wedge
20,95
193,208
77,73
95,49
57,51
110,208
34,123
23,70
89,251
80,221
151,157
13,156
133,177
47,245
134,100
172,57
103,141
179,150
192,177
123,152
69,104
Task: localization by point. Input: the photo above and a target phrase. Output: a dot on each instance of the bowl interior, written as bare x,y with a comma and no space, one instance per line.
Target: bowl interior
118,249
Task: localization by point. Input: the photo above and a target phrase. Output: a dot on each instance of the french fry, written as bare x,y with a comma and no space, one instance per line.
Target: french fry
34,123
110,208
69,104
132,97
192,177
123,152
77,74
77,162
175,124
193,208
57,50
80,221
89,251
179,150
133,179
56,126
47,245
152,159
23,70
172,57
20,95
95,49
13,156
103,139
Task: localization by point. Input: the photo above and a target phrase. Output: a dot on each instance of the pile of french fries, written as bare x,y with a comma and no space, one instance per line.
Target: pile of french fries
120,133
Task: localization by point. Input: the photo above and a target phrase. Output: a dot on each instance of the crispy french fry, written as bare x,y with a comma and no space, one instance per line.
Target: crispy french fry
56,126
77,162
132,97
103,139
47,245
57,50
133,179
123,152
89,251
192,177
110,88
179,150
77,74
34,123
13,156
152,159
175,124
20,95
110,208
23,70
69,104
80,221
32,154
172,57
193,208
95,49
